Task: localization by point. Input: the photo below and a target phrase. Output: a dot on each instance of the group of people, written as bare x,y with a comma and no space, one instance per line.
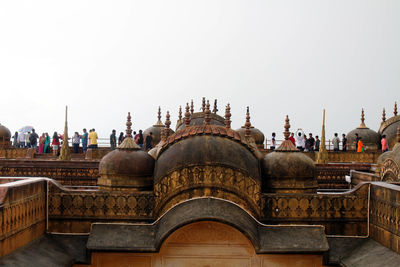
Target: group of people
137,137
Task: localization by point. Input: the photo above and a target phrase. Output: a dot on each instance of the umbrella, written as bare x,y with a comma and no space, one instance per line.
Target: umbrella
26,129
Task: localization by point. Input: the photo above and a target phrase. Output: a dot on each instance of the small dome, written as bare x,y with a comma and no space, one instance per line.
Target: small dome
127,167
255,133
5,137
389,162
156,129
389,127
370,138
287,170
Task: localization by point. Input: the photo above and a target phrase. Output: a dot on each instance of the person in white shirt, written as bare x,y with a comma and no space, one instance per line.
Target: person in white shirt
300,140
335,142
21,140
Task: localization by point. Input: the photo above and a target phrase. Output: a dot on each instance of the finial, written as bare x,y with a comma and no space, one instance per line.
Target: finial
362,125
203,104
159,122
187,115
286,133
395,109
215,110
180,113
167,124
207,117
383,115
128,126
191,107
64,152
228,116
247,125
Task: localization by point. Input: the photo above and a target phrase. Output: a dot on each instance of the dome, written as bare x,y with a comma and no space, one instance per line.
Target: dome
5,137
207,160
197,118
156,129
287,170
370,138
255,133
389,162
126,168
389,127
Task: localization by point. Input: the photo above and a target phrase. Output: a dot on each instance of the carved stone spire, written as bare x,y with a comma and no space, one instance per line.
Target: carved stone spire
64,152
207,117
167,124
128,143
191,107
187,115
286,133
128,126
215,110
159,122
287,145
247,125
362,125
395,109
180,113
322,156
228,116
203,104
383,115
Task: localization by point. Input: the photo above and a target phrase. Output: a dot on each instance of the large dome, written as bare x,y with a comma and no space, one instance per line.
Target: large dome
389,162
369,138
287,170
207,160
5,137
389,127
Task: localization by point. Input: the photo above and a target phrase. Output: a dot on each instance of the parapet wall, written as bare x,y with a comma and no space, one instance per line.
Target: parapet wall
22,213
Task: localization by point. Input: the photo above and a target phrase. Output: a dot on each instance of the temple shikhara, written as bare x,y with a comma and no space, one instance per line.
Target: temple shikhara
204,195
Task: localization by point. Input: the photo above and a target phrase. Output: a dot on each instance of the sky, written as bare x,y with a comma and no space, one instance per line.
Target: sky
107,58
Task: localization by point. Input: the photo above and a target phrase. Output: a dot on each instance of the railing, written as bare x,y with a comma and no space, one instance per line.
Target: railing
328,144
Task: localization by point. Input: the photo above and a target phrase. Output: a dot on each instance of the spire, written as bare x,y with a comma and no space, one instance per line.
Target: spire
322,156
128,126
207,117
362,125
247,125
64,152
191,107
187,115
159,122
395,109
383,115
228,116
203,104
286,133
167,124
287,145
180,113
215,110
128,143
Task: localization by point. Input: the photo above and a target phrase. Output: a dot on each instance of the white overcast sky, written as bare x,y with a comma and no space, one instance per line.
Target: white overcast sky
105,58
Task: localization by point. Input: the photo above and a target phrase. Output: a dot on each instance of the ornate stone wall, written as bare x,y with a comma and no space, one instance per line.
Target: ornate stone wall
13,153
22,213
84,173
348,156
332,176
385,215
341,214
75,210
216,181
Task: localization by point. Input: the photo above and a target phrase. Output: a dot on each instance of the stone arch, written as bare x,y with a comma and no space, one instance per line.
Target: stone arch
390,171
206,209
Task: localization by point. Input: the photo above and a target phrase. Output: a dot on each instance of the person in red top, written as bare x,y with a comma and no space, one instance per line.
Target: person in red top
291,138
55,143
384,144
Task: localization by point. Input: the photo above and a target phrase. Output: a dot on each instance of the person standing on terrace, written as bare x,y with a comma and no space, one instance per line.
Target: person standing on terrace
84,140
93,139
113,140
384,144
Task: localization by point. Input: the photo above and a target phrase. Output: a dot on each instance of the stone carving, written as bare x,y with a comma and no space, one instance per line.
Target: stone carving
390,171
199,181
